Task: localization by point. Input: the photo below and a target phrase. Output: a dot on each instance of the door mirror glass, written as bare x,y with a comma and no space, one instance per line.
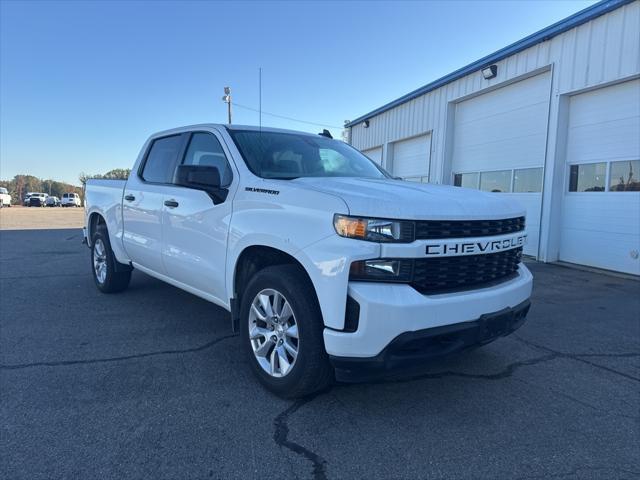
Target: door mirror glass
198,176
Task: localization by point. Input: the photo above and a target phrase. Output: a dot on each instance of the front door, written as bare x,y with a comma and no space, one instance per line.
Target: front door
195,226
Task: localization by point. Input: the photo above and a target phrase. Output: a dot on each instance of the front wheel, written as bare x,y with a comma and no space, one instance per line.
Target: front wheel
281,330
107,278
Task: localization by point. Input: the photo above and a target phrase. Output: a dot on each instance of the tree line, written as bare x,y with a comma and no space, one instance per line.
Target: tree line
20,185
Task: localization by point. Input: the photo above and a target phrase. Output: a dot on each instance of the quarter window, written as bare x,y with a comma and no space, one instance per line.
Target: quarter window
588,177
161,160
205,149
499,181
625,176
527,180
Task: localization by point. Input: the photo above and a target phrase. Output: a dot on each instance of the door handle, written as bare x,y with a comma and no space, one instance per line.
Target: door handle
171,203
129,198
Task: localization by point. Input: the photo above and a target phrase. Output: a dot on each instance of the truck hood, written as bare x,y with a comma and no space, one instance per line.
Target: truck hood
388,198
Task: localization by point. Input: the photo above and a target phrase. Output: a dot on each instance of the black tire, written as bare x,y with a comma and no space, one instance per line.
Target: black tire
114,281
311,372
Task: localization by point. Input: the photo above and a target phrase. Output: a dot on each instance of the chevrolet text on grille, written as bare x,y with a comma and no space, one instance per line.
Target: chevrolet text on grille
471,248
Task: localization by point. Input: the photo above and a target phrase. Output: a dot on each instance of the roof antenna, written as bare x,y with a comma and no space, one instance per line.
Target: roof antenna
260,97
326,133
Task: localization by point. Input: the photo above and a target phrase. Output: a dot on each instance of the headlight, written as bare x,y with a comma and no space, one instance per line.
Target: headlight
374,229
382,270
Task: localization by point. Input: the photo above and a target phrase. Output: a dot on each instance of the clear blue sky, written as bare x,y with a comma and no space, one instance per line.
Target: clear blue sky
82,84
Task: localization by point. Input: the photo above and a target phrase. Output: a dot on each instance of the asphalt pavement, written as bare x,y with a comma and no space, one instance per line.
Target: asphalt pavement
150,383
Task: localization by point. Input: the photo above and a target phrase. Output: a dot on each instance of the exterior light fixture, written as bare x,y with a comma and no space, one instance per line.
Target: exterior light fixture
490,72
366,124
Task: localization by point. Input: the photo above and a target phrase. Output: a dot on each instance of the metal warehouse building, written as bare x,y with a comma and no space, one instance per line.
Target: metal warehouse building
552,120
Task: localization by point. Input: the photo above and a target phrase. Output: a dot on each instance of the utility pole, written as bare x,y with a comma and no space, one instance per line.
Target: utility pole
227,100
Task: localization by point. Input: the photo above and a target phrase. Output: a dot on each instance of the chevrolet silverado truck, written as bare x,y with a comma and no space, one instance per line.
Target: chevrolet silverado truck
329,266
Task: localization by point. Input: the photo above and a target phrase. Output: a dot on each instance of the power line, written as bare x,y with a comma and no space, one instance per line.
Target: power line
285,118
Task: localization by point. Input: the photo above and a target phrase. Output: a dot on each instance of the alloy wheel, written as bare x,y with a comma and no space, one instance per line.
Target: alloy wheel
100,261
273,332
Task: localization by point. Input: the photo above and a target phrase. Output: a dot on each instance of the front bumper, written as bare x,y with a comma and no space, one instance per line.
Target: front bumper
388,311
411,349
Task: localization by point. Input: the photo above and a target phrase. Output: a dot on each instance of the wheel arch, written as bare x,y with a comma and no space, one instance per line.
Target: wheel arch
251,260
95,220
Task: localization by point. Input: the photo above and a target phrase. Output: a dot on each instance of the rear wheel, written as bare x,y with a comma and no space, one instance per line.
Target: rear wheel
281,329
109,275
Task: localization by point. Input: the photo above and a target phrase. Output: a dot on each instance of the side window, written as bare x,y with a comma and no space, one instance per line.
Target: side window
160,164
527,180
624,176
499,181
205,149
588,177
466,180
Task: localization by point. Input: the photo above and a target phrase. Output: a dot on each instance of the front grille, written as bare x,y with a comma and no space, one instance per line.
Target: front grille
433,229
439,275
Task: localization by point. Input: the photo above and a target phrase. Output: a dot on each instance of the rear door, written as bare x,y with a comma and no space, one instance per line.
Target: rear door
195,226
143,202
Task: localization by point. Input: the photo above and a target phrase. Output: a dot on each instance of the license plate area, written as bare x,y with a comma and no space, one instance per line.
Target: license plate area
496,324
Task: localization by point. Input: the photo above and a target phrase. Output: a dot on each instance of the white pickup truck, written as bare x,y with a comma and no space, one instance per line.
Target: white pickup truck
330,267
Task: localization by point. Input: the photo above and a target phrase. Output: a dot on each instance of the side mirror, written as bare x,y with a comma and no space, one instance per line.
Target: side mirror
198,176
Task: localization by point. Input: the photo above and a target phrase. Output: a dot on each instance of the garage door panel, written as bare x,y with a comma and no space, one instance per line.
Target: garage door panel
531,204
502,155
511,98
374,154
411,157
590,212
613,140
503,117
505,126
506,129
594,107
589,244
602,229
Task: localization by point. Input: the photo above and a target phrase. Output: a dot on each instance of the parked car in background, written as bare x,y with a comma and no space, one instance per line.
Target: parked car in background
71,200
53,202
5,198
25,201
38,199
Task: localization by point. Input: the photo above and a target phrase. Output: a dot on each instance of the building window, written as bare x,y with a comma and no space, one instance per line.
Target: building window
625,176
420,179
588,177
499,181
466,180
527,180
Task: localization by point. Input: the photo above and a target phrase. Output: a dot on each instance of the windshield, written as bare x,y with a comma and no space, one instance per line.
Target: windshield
289,155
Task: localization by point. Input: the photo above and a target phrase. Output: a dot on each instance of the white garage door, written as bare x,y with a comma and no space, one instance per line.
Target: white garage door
374,154
411,158
601,207
499,143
